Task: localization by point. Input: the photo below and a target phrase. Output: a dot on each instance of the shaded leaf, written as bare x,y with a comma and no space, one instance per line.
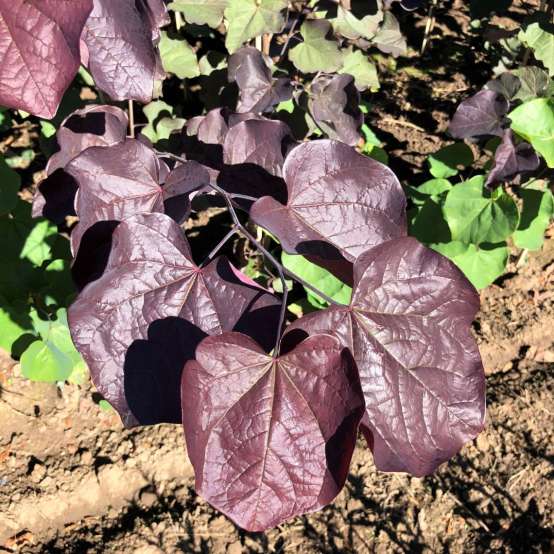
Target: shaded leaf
511,159
317,52
115,183
318,277
258,90
537,213
150,276
352,27
357,64
534,83
201,12
390,39
449,160
39,52
334,105
286,427
120,51
10,183
539,36
178,57
408,327
481,114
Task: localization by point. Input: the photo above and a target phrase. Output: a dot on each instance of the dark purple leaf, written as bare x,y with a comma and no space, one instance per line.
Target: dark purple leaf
91,126
180,187
120,47
258,90
408,328
259,142
150,277
340,203
39,52
270,438
481,114
115,183
335,106
511,159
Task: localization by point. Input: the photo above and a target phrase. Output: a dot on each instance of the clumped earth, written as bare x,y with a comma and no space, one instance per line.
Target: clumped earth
72,480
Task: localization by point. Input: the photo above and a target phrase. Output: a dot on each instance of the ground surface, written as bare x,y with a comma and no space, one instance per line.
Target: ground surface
73,481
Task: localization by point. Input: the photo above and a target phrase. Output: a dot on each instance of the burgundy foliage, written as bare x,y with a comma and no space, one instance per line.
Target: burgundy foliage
259,91
270,438
39,52
119,47
335,106
511,159
481,114
340,203
91,126
151,278
408,328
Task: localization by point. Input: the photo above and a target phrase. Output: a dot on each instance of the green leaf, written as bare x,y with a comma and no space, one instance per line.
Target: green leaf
448,161
538,211
539,36
534,121
319,278
200,12
482,264
53,358
10,183
316,52
474,215
178,57
534,83
357,64
429,225
432,188
161,122
247,19
349,26
14,322
59,282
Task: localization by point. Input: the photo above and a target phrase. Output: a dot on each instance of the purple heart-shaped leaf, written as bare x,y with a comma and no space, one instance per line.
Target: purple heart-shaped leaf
408,327
270,438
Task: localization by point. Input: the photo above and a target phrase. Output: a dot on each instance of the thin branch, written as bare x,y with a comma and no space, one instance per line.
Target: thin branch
429,25
289,36
238,226
269,256
131,119
219,245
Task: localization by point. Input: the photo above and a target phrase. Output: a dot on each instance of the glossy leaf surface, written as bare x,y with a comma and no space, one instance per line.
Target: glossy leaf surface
337,200
270,438
137,324
39,52
408,328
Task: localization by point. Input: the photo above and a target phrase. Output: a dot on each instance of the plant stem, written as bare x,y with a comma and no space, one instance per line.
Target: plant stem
281,270
219,245
429,25
289,36
269,256
131,119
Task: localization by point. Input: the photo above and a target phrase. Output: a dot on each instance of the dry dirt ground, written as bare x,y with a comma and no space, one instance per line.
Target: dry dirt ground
73,481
